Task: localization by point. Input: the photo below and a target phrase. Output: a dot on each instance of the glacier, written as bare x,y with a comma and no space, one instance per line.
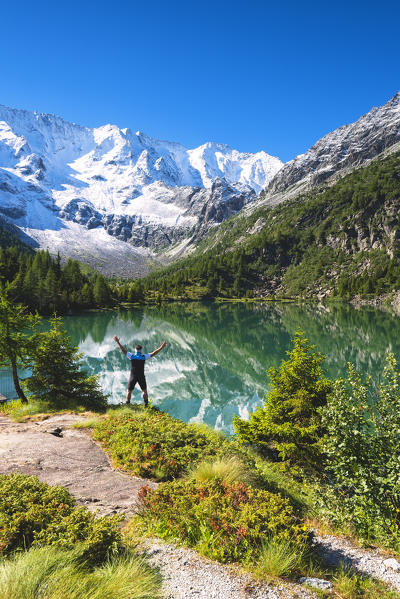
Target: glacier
64,185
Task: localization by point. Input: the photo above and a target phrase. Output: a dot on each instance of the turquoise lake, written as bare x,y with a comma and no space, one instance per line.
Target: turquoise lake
217,355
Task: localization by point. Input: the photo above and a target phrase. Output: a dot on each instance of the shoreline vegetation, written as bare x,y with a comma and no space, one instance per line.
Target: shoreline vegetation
316,454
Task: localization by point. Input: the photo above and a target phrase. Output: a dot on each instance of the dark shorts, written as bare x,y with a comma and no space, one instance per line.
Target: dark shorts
137,378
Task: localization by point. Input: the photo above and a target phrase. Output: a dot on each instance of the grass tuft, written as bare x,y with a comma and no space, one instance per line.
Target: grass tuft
230,470
280,557
88,423
52,573
349,585
19,412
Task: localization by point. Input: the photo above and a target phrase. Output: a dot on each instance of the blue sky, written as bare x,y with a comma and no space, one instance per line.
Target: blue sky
252,74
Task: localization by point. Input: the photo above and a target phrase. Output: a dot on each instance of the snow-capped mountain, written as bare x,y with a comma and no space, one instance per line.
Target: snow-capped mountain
344,149
112,197
64,184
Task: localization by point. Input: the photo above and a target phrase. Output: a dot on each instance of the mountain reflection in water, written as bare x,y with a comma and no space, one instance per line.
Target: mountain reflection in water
217,355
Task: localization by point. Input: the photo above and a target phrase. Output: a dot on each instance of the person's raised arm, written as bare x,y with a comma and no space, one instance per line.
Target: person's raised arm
121,347
155,352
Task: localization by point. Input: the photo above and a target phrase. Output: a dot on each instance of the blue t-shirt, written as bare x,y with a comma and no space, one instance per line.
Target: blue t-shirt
137,363
137,356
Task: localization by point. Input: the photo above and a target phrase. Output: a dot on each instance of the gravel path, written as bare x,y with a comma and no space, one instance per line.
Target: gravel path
186,575
335,550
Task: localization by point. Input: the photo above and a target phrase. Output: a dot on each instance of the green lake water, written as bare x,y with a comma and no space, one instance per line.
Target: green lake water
217,355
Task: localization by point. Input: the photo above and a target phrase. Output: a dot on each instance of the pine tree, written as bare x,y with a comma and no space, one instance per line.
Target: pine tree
16,344
101,292
57,376
289,420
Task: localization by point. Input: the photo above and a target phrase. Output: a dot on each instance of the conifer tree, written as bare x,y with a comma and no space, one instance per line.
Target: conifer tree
101,292
57,375
289,421
16,344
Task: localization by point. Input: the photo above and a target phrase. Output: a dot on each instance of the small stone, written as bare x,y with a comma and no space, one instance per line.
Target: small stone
316,583
57,432
392,564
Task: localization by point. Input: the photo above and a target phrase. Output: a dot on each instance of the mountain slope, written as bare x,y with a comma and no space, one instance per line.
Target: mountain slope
342,241
343,150
138,189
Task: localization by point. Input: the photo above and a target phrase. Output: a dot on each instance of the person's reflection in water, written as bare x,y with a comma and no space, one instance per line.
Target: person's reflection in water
137,369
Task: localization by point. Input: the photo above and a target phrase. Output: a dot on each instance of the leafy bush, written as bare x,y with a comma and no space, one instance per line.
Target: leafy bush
289,421
34,514
227,522
57,376
52,573
149,443
363,454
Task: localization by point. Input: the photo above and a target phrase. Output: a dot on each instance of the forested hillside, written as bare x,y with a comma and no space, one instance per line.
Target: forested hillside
42,283
341,241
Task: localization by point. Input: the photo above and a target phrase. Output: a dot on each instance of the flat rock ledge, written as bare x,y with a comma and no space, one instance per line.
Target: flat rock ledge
69,458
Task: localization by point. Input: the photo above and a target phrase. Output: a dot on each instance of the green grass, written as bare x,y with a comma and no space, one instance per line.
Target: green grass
51,573
88,423
299,493
231,470
280,557
18,411
348,585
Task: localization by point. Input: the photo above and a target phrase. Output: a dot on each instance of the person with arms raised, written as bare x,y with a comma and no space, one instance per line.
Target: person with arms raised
137,368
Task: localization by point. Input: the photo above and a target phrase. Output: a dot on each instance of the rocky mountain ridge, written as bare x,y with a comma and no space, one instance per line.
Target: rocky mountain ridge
336,154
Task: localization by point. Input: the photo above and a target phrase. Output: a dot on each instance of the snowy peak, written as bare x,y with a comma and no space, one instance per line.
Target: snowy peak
218,161
149,192
57,141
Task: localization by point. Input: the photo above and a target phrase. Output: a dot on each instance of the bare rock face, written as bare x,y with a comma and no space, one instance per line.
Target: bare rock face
344,149
200,209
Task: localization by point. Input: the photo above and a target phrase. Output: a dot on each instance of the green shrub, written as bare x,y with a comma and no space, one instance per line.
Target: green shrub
34,514
149,443
363,454
227,522
289,422
51,573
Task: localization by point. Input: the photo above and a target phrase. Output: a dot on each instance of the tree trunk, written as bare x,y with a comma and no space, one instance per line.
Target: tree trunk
17,386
